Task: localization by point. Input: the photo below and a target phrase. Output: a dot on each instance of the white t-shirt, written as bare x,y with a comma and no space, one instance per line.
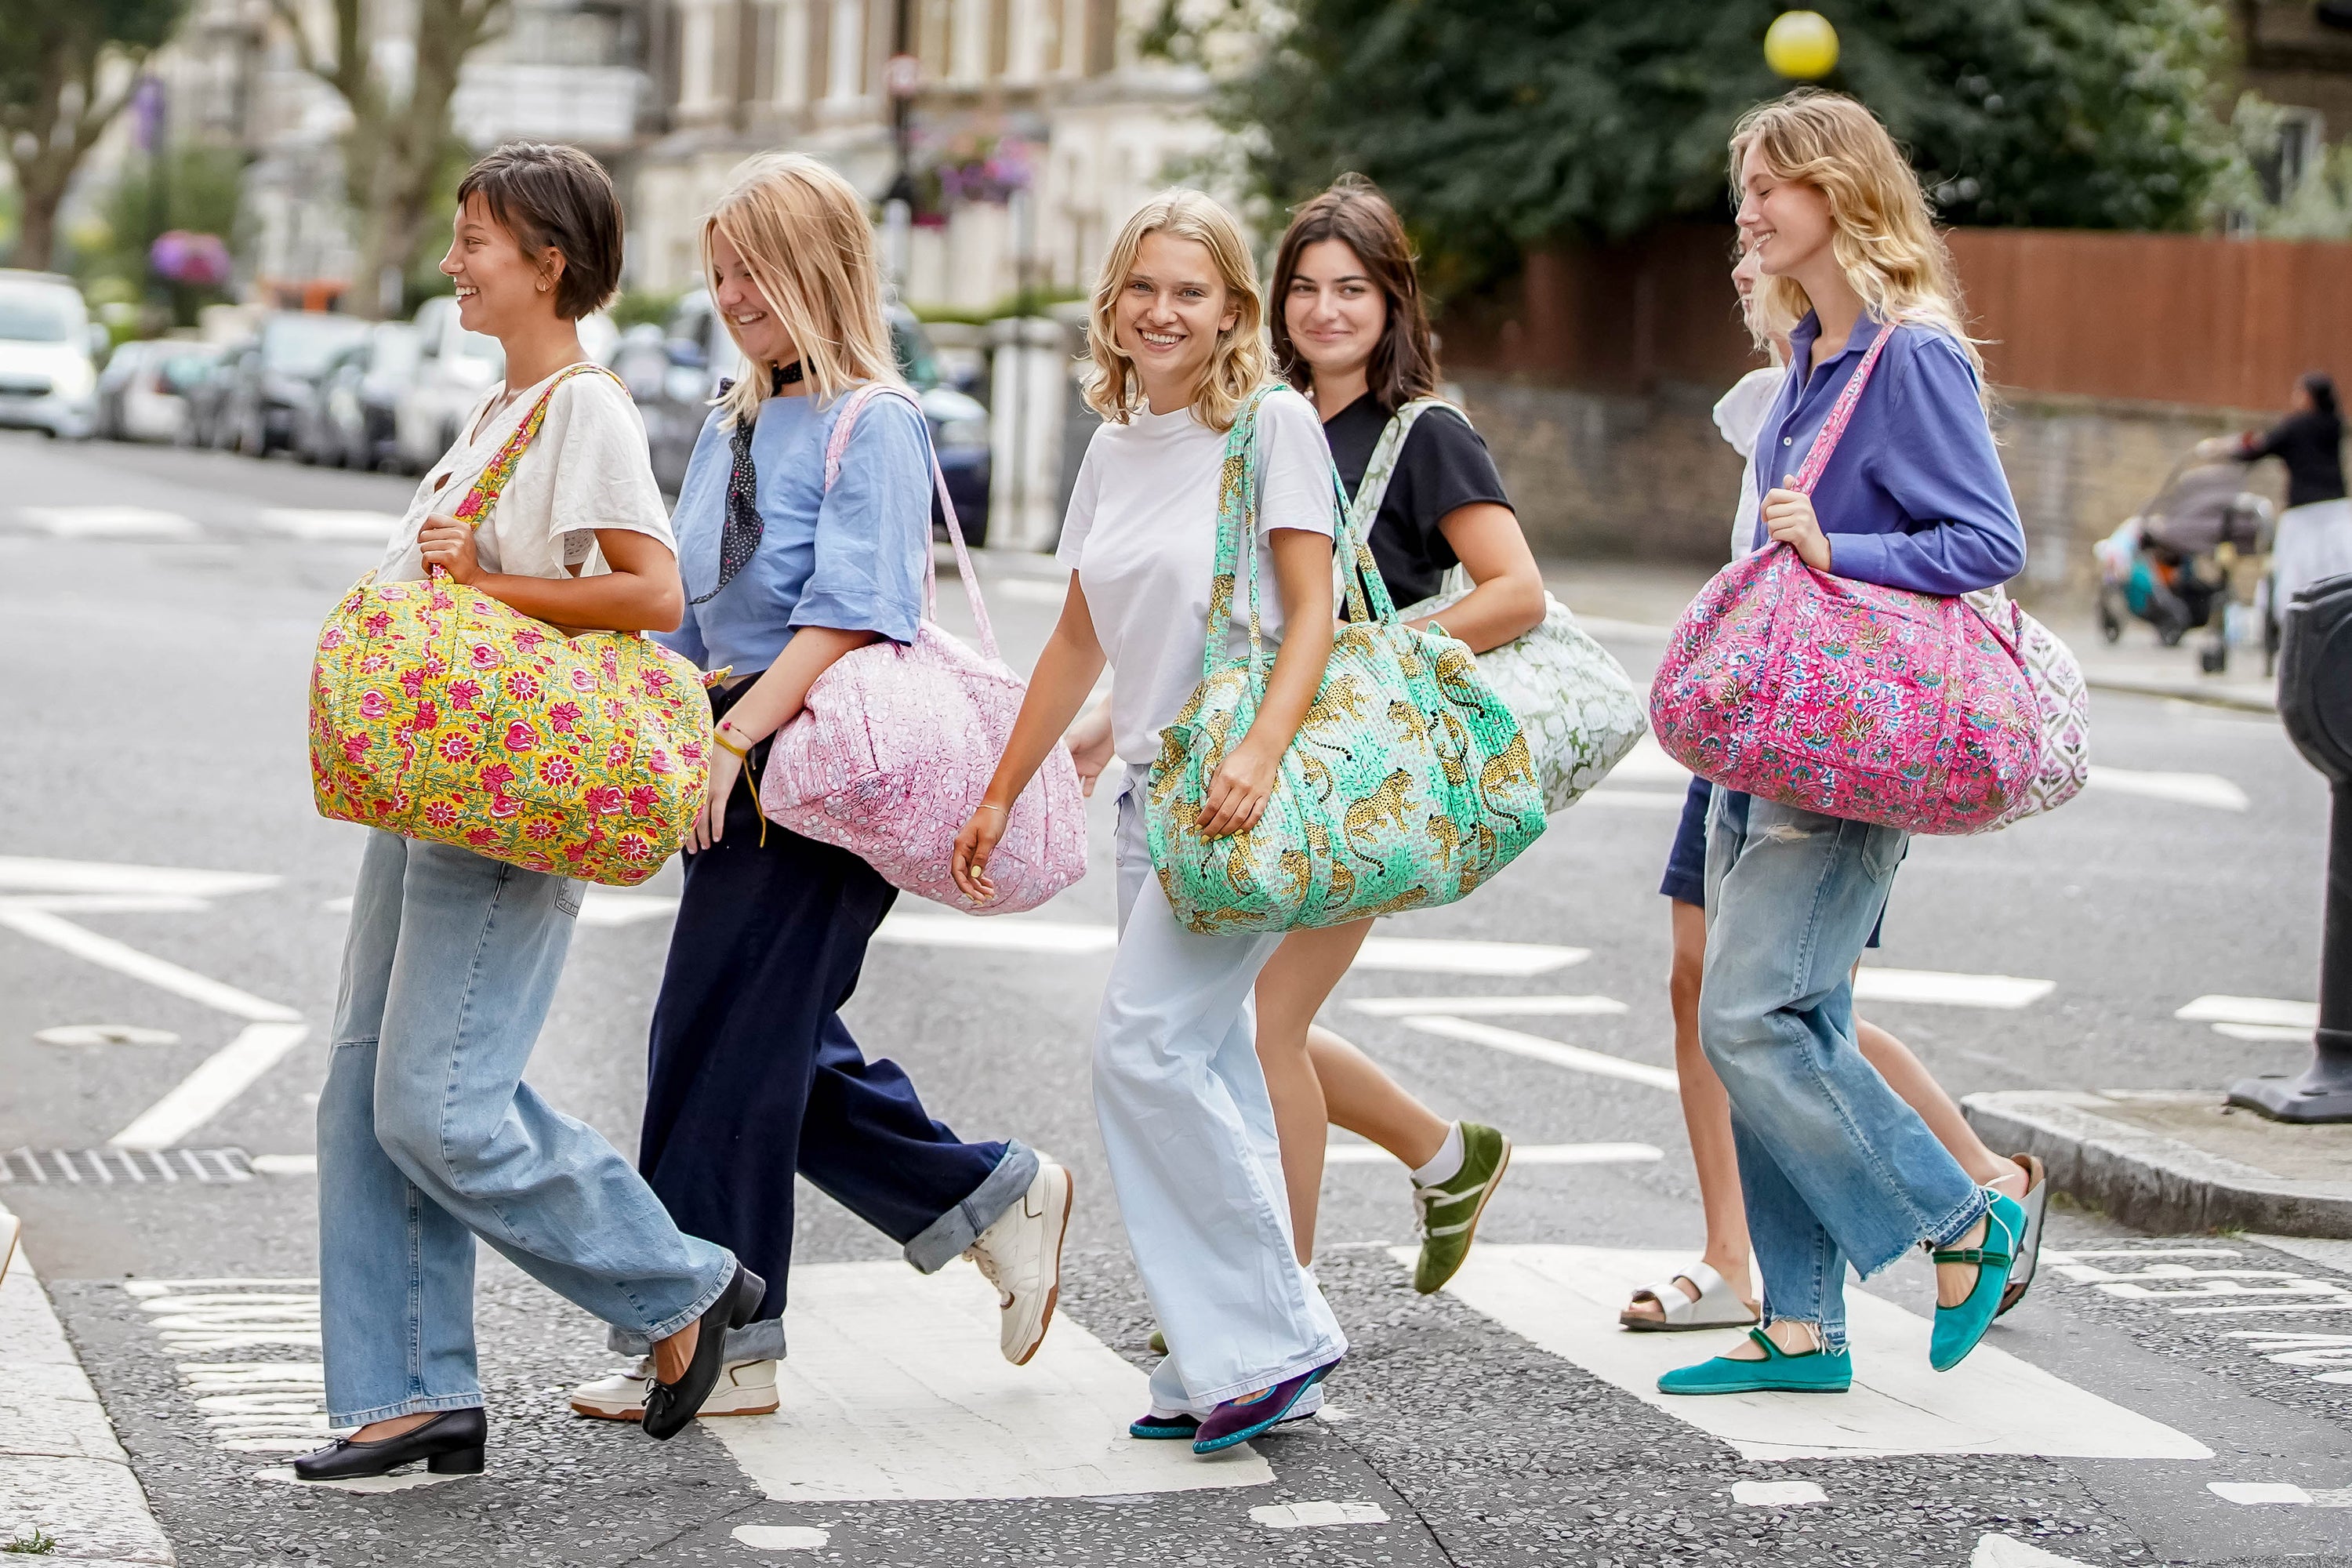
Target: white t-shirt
1740,415
587,468
1142,534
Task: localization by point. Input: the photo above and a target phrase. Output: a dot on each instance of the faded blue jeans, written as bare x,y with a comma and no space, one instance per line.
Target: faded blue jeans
1834,1166
428,1137
1188,1130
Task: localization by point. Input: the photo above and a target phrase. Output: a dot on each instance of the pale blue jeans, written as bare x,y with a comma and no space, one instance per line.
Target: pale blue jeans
1834,1166
1189,1129
428,1137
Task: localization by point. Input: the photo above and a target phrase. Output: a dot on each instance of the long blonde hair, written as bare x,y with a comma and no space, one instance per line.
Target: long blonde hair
1882,232
804,236
1241,362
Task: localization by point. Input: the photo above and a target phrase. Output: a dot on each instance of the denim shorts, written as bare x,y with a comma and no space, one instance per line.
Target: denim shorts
1686,877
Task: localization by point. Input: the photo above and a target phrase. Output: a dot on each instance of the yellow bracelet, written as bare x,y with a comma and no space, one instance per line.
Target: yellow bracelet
719,735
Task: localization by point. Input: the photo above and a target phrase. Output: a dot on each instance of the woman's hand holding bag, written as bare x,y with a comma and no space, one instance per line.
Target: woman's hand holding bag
1407,785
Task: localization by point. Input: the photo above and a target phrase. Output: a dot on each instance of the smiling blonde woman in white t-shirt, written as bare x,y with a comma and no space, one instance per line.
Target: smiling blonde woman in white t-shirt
1177,338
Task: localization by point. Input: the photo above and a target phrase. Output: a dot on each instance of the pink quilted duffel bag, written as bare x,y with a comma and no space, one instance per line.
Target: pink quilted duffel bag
1859,701
895,746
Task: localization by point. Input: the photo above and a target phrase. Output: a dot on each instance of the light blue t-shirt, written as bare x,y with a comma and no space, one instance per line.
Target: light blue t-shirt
851,558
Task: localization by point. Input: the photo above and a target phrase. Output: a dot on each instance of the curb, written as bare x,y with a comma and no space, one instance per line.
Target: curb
61,1468
2182,691
2145,1179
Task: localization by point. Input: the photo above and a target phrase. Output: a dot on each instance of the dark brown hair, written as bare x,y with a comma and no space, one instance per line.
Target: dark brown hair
559,197
1355,213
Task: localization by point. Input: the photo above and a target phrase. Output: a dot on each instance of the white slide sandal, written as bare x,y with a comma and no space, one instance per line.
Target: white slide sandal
1718,1306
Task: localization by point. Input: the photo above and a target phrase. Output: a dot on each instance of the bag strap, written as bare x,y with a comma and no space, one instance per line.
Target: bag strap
1373,488
838,444
1238,510
492,480
1825,440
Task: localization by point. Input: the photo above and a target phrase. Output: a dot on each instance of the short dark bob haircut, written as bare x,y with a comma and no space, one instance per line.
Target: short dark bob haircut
560,198
1355,213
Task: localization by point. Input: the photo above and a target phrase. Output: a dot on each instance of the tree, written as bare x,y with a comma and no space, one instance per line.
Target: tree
1499,124
66,68
399,143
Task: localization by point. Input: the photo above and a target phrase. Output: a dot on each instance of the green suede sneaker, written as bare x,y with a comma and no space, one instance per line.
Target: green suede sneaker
1448,1212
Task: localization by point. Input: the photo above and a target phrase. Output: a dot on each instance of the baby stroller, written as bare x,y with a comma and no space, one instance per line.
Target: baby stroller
2171,565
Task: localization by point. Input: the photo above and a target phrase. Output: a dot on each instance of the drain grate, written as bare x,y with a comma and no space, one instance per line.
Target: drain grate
123,1167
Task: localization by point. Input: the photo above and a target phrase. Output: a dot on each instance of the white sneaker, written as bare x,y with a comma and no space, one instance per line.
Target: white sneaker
1020,1254
745,1388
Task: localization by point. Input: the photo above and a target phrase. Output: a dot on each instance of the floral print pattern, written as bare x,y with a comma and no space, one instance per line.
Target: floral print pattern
430,718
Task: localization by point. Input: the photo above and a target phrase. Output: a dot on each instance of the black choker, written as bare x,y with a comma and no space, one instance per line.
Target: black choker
784,375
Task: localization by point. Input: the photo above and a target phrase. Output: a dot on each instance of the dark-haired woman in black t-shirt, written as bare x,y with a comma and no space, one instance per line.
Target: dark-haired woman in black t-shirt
1350,332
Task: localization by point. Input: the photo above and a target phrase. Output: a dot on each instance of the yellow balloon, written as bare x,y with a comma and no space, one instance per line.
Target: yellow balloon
1801,46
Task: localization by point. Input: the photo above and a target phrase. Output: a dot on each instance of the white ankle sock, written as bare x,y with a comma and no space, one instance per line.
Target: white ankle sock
1446,1163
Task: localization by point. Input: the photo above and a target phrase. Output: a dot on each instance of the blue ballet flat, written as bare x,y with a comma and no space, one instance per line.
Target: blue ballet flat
1814,1371
1957,1329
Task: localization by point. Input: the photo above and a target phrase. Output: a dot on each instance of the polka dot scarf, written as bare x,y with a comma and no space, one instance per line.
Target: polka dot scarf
740,541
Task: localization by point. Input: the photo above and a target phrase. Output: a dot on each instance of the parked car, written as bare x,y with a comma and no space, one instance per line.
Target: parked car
676,372
143,391
454,368
207,399
266,384
348,422
48,371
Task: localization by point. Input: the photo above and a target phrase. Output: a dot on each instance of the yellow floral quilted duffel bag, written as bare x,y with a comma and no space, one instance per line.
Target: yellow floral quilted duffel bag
439,713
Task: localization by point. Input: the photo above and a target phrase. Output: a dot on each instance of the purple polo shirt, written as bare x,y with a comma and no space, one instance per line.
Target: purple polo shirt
1914,497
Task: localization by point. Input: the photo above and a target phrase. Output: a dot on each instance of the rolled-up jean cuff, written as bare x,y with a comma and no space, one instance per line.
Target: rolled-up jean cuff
701,1304
958,1229
762,1341
1963,1220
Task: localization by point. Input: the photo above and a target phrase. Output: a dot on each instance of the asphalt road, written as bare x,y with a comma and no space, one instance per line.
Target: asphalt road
156,615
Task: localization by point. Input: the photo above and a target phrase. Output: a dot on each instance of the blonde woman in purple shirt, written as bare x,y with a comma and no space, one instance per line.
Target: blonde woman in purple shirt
1833,1166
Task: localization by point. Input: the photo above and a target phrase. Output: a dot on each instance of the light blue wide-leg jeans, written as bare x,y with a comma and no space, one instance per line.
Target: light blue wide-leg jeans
428,1137
1189,1129
1833,1165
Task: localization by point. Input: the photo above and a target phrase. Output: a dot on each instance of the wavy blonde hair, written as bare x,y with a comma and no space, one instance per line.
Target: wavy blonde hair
802,233
1241,362
1881,232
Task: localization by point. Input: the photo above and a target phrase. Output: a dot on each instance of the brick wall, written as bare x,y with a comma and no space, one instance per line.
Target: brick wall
1598,475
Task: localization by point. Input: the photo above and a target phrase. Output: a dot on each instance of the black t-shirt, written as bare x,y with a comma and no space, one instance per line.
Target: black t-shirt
2311,444
1443,464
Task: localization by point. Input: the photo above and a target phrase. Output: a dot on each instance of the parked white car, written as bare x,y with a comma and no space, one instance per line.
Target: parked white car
48,379
142,391
454,368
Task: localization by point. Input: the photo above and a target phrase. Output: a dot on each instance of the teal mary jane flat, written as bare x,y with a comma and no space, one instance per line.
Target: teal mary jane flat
1957,1329
1815,1372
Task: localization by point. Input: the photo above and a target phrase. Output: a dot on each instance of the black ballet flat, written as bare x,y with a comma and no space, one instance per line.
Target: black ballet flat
671,1406
450,1444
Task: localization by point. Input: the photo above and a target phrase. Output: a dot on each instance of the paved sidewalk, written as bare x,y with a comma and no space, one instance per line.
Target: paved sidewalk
63,1476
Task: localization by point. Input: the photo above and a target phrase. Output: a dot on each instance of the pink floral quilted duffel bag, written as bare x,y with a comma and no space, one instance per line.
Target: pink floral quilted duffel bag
896,746
1859,701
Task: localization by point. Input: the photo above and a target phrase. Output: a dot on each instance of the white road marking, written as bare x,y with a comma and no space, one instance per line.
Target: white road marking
2185,789
1648,763
1639,799
105,1034
1309,1515
28,874
1940,989
317,523
2269,1012
1489,1006
195,1317
1635,631
2008,1551
781,1537
108,521
2324,1351
2239,1291
104,951
1564,1300
1033,590
1521,1154
61,1467
2260,1492
1423,955
611,907
2264,1032
207,1091
895,1390
365,1486
285,1165
1575,1057
1778,1494
2326,1252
